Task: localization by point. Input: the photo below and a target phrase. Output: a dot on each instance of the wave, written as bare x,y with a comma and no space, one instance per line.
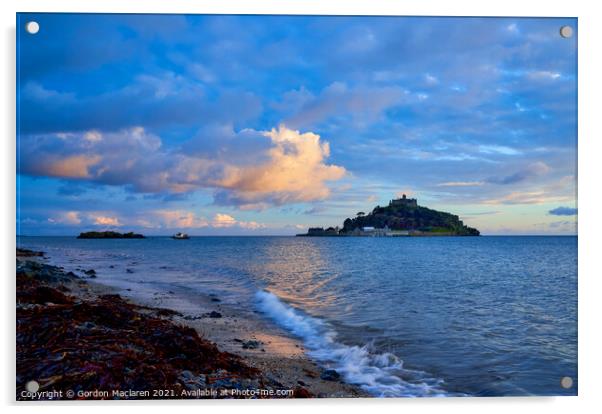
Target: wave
380,374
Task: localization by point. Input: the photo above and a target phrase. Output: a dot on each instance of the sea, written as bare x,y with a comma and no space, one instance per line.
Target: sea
399,317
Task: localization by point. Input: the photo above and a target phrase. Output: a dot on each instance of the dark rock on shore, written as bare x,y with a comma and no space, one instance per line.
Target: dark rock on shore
167,312
44,272
330,375
251,344
91,273
28,253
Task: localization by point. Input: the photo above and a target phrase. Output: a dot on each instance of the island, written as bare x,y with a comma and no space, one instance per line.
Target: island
402,217
109,235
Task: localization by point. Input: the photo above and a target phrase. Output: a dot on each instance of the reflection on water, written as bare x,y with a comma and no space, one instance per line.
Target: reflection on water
480,316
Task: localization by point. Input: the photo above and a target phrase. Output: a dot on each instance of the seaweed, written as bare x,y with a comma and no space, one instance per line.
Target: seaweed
107,343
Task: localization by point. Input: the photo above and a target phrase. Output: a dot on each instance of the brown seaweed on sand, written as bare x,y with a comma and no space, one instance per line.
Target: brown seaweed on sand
106,343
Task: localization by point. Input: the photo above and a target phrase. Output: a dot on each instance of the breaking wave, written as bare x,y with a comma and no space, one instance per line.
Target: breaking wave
380,374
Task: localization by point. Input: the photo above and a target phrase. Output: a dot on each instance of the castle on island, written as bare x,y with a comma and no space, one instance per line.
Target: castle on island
402,217
403,201
368,231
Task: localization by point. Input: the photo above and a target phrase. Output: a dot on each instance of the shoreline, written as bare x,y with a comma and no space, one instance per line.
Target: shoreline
269,358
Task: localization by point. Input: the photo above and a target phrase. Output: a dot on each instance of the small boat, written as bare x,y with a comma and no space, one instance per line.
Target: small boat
180,236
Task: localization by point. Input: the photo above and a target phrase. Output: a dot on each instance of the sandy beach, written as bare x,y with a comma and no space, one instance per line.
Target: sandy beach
227,352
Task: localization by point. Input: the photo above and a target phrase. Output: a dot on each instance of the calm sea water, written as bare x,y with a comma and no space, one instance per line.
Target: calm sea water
476,316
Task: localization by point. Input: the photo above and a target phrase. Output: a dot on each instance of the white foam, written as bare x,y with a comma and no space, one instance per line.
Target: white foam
379,374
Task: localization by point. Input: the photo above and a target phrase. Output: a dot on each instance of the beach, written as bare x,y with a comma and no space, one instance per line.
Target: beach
77,335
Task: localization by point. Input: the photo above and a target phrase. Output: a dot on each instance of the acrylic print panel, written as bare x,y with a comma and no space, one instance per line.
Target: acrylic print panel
295,206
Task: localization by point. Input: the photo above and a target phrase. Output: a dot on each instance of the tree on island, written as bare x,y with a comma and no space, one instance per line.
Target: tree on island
109,235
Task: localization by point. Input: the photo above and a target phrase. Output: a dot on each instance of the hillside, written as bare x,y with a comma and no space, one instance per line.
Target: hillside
402,217
406,214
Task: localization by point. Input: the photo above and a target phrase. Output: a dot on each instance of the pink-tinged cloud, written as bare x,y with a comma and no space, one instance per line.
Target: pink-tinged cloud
175,219
182,219
106,221
275,167
223,220
527,197
295,171
76,166
67,217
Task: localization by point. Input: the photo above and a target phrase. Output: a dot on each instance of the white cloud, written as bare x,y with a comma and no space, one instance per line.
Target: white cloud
544,75
430,79
498,149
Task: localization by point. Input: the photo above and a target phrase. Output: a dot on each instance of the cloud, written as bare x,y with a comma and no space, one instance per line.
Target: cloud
164,99
563,211
526,197
182,219
223,220
532,170
498,149
461,184
76,218
544,75
68,218
251,169
76,166
106,221
294,172
362,104
176,219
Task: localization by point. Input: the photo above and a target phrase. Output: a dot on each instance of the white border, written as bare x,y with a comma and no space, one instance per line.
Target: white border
590,208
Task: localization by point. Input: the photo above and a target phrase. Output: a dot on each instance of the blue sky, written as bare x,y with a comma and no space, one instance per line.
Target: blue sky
271,124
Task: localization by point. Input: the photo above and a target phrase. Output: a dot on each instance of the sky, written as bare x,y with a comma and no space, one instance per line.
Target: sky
267,125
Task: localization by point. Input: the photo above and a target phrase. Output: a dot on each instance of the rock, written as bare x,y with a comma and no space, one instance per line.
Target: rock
301,392
90,272
28,253
251,344
215,300
129,270
214,314
167,312
330,375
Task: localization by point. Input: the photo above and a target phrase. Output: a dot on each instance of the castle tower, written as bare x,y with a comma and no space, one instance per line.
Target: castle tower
404,201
